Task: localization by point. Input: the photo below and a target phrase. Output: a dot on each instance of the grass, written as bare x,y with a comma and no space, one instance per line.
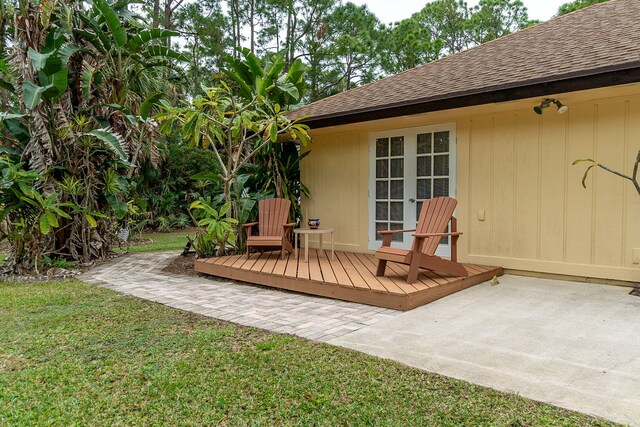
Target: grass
175,240
75,354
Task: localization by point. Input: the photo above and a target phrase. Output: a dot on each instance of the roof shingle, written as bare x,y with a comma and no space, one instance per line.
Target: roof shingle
600,38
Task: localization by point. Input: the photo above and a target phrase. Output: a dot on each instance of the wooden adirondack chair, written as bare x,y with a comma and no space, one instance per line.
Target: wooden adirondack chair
274,230
432,225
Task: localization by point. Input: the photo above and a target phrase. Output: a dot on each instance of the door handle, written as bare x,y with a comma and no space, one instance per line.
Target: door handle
412,200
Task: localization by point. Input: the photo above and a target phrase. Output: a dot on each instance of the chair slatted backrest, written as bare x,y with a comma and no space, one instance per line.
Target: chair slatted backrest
272,215
434,217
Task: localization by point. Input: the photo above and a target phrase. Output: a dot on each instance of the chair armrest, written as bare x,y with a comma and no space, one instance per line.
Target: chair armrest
425,235
383,232
250,224
291,224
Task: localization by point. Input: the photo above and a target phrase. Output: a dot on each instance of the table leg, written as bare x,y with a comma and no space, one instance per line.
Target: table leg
333,255
295,245
320,244
306,248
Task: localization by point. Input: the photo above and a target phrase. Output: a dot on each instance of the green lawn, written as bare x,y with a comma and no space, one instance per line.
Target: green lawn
174,240
76,354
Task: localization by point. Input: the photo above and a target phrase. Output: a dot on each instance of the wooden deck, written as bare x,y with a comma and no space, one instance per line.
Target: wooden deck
350,277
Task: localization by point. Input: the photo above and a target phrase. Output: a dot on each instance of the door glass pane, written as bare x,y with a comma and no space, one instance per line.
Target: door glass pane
440,187
389,196
423,189
382,147
382,210
418,210
397,146
424,166
396,212
397,168
424,143
382,168
441,142
382,189
441,165
397,190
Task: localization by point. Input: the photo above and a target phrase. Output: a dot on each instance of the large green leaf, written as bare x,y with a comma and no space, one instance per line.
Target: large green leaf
206,176
112,140
45,226
32,94
147,105
146,36
57,83
66,51
7,86
295,72
290,89
113,22
86,82
119,208
91,38
15,127
164,52
105,40
274,70
253,63
38,60
238,74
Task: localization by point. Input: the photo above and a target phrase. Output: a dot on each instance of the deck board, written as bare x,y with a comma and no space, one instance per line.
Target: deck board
352,272
328,276
350,277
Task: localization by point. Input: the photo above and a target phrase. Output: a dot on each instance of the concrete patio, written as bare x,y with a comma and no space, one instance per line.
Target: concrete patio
571,344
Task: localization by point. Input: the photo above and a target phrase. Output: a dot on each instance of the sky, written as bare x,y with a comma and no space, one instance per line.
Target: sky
395,10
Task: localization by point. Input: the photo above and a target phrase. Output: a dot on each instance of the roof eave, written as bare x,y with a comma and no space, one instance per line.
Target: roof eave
570,83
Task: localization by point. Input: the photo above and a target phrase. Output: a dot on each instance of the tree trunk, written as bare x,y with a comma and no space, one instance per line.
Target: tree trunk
155,17
252,25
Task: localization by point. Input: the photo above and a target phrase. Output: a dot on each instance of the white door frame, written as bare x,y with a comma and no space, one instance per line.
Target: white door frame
410,172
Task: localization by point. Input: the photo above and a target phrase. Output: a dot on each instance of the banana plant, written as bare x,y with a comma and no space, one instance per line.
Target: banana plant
268,80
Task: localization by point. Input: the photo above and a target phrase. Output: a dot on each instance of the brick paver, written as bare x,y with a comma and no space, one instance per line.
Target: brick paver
311,317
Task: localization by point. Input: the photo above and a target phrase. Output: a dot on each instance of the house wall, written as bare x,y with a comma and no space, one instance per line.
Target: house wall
516,167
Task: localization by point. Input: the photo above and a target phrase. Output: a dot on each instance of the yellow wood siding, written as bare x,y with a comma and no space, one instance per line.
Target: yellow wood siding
516,167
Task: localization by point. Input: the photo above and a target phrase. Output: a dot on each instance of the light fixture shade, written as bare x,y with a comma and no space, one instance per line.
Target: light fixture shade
547,102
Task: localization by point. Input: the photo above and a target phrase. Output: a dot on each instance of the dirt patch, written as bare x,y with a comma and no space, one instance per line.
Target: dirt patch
183,265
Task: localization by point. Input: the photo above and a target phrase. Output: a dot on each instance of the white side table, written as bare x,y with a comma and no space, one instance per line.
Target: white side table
306,232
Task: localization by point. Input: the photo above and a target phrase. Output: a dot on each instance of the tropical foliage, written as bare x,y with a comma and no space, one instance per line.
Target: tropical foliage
80,84
242,128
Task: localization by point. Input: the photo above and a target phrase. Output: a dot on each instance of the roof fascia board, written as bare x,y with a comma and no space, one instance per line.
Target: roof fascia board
585,82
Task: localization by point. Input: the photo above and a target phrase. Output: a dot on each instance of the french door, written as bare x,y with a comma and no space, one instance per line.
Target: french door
407,167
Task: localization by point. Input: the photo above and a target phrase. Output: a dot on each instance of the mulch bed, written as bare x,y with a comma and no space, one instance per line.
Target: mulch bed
183,265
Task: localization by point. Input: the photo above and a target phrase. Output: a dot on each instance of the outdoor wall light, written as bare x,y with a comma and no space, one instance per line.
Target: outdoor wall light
547,102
